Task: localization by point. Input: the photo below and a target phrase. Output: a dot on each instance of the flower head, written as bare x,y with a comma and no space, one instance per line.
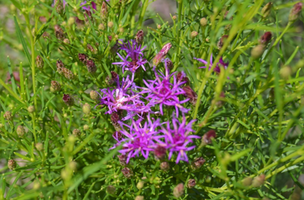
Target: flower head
162,92
178,138
138,138
133,59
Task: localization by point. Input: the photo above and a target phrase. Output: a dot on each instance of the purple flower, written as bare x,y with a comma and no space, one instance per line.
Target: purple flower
133,59
162,92
178,138
217,68
123,98
88,8
138,138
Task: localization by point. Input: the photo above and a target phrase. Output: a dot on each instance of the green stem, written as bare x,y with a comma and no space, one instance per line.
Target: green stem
142,13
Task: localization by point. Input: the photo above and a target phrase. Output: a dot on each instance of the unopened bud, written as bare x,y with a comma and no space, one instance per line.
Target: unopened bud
265,39
139,198
79,22
82,57
266,9
207,138
66,41
115,117
55,86
31,109
39,62
101,27
110,24
68,74
60,66
39,146
285,72
203,21
104,11
113,79
92,49
140,185
11,164
198,162
258,181
221,42
174,17
160,151
94,95
295,11
127,172
8,115
20,131
68,100
91,66
59,7
122,159
76,132
86,127
71,21
178,191
163,52
139,36
257,51
191,183
59,32
189,93
111,189
165,166
169,64
193,34
182,77
247,181
158,26
86,108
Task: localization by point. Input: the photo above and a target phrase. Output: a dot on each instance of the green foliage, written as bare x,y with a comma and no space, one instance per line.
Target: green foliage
256,105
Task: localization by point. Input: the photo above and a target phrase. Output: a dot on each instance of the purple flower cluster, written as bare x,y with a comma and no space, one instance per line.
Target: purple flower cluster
152,136
130,106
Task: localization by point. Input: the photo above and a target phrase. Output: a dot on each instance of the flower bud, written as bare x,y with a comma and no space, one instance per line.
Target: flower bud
163,52
59,32
295,12
165,166
160,152
31,109
59,7
266,9
68,100
198,162
139,198
258,181
110,24
68,74
39,62
39,146
45,35
71,21
86,127
189,93
92,49
12,164
182,77
79,22
207,138
193,34
191,183
247,181
139,38
221,42
86,108
113,79
104,11
115,117
140,185
20,131
257,51
55,86
82,57
91,66
169,64
265,39
60,66
203,21
122,159
8,115
285,72
178,191
111,189
66,41
158,26
94,95
174,17
127,172
76,132
101,27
